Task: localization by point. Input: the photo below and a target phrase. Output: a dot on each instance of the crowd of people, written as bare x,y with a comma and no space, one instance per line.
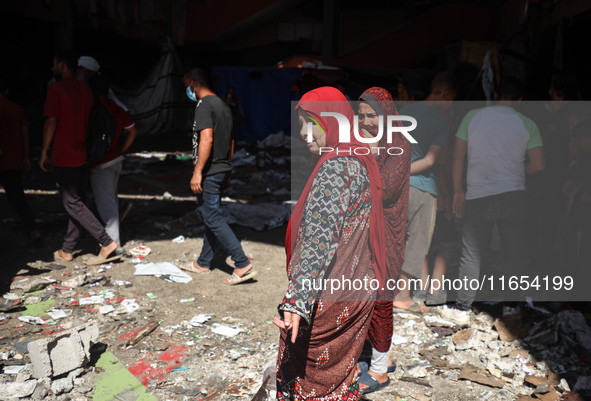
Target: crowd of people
369,215
517,173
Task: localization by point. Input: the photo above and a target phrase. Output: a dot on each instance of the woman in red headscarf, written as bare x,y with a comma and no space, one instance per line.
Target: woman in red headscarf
335,233
395,170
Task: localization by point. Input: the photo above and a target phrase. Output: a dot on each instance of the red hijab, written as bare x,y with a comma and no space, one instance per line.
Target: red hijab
328,99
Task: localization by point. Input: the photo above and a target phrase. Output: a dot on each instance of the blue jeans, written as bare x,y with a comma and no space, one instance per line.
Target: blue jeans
507,210
216,228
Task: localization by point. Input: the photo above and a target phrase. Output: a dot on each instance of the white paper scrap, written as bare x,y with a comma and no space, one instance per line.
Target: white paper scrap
31,319
199,319
56,314
106,309
164,270
95,299
225,330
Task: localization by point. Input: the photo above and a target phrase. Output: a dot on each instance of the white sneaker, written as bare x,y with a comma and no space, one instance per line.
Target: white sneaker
459,317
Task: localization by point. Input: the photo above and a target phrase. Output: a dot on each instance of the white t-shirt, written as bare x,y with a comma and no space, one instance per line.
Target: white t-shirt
498,139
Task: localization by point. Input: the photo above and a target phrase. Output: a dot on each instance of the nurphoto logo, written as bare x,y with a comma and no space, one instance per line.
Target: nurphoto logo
345,131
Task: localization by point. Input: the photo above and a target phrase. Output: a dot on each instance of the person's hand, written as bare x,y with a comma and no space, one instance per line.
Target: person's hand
227,185
196,183
26,164
458,204
43,161
449,211
290,321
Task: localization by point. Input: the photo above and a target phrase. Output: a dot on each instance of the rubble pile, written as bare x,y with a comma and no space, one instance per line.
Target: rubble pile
522,355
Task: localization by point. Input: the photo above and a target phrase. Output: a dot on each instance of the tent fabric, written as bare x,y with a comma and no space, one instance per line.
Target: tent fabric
265,94
159,105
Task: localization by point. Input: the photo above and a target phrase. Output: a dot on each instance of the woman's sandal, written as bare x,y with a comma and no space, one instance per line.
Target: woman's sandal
372,383
99,260
190,268
236,279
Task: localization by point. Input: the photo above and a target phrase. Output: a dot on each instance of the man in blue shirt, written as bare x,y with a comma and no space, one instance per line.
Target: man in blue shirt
431,134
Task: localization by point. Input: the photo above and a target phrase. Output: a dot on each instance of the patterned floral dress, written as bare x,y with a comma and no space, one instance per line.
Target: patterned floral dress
332,243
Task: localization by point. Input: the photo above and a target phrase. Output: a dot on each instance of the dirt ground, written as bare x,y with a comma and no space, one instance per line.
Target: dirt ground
211,366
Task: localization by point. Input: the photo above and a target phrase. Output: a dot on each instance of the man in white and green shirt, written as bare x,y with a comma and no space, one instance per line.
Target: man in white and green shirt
502,146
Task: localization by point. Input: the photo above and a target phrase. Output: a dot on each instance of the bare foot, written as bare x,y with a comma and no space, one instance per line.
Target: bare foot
68,257
203,269
380,377
109,249
240,272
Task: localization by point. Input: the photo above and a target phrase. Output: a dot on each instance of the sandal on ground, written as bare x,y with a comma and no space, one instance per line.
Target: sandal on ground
414,308
57,257
236,279
372,383
190,268
99,260
364,367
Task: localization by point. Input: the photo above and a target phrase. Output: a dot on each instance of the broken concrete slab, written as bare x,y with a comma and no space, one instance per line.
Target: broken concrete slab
17,390
62,352
466,339
60,386
551,395
42,389
477,375
511,327
550,379
30,284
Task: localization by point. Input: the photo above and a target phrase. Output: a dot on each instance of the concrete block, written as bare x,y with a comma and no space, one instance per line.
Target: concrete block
60,386
42,389
62,352
17,390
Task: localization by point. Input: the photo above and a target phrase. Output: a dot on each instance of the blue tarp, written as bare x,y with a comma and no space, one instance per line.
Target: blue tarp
265,94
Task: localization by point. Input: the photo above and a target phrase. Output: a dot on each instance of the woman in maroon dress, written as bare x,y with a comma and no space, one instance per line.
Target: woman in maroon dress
336,232
395,171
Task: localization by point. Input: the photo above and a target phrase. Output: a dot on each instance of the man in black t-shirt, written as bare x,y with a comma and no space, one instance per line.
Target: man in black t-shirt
212,157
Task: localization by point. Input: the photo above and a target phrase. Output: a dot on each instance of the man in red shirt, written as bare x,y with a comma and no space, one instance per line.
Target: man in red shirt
67,108
14,157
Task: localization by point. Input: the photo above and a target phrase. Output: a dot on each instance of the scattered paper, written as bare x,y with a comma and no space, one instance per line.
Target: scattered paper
103,310
225,330
130,305
14,369
31,319
397,340
164,270
95,299
179,240
56,314
199,319
437,320
141,250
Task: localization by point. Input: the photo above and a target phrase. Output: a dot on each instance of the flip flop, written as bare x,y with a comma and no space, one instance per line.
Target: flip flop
236,279
372,383
57,257
414,308
364,367
190,268
99,260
